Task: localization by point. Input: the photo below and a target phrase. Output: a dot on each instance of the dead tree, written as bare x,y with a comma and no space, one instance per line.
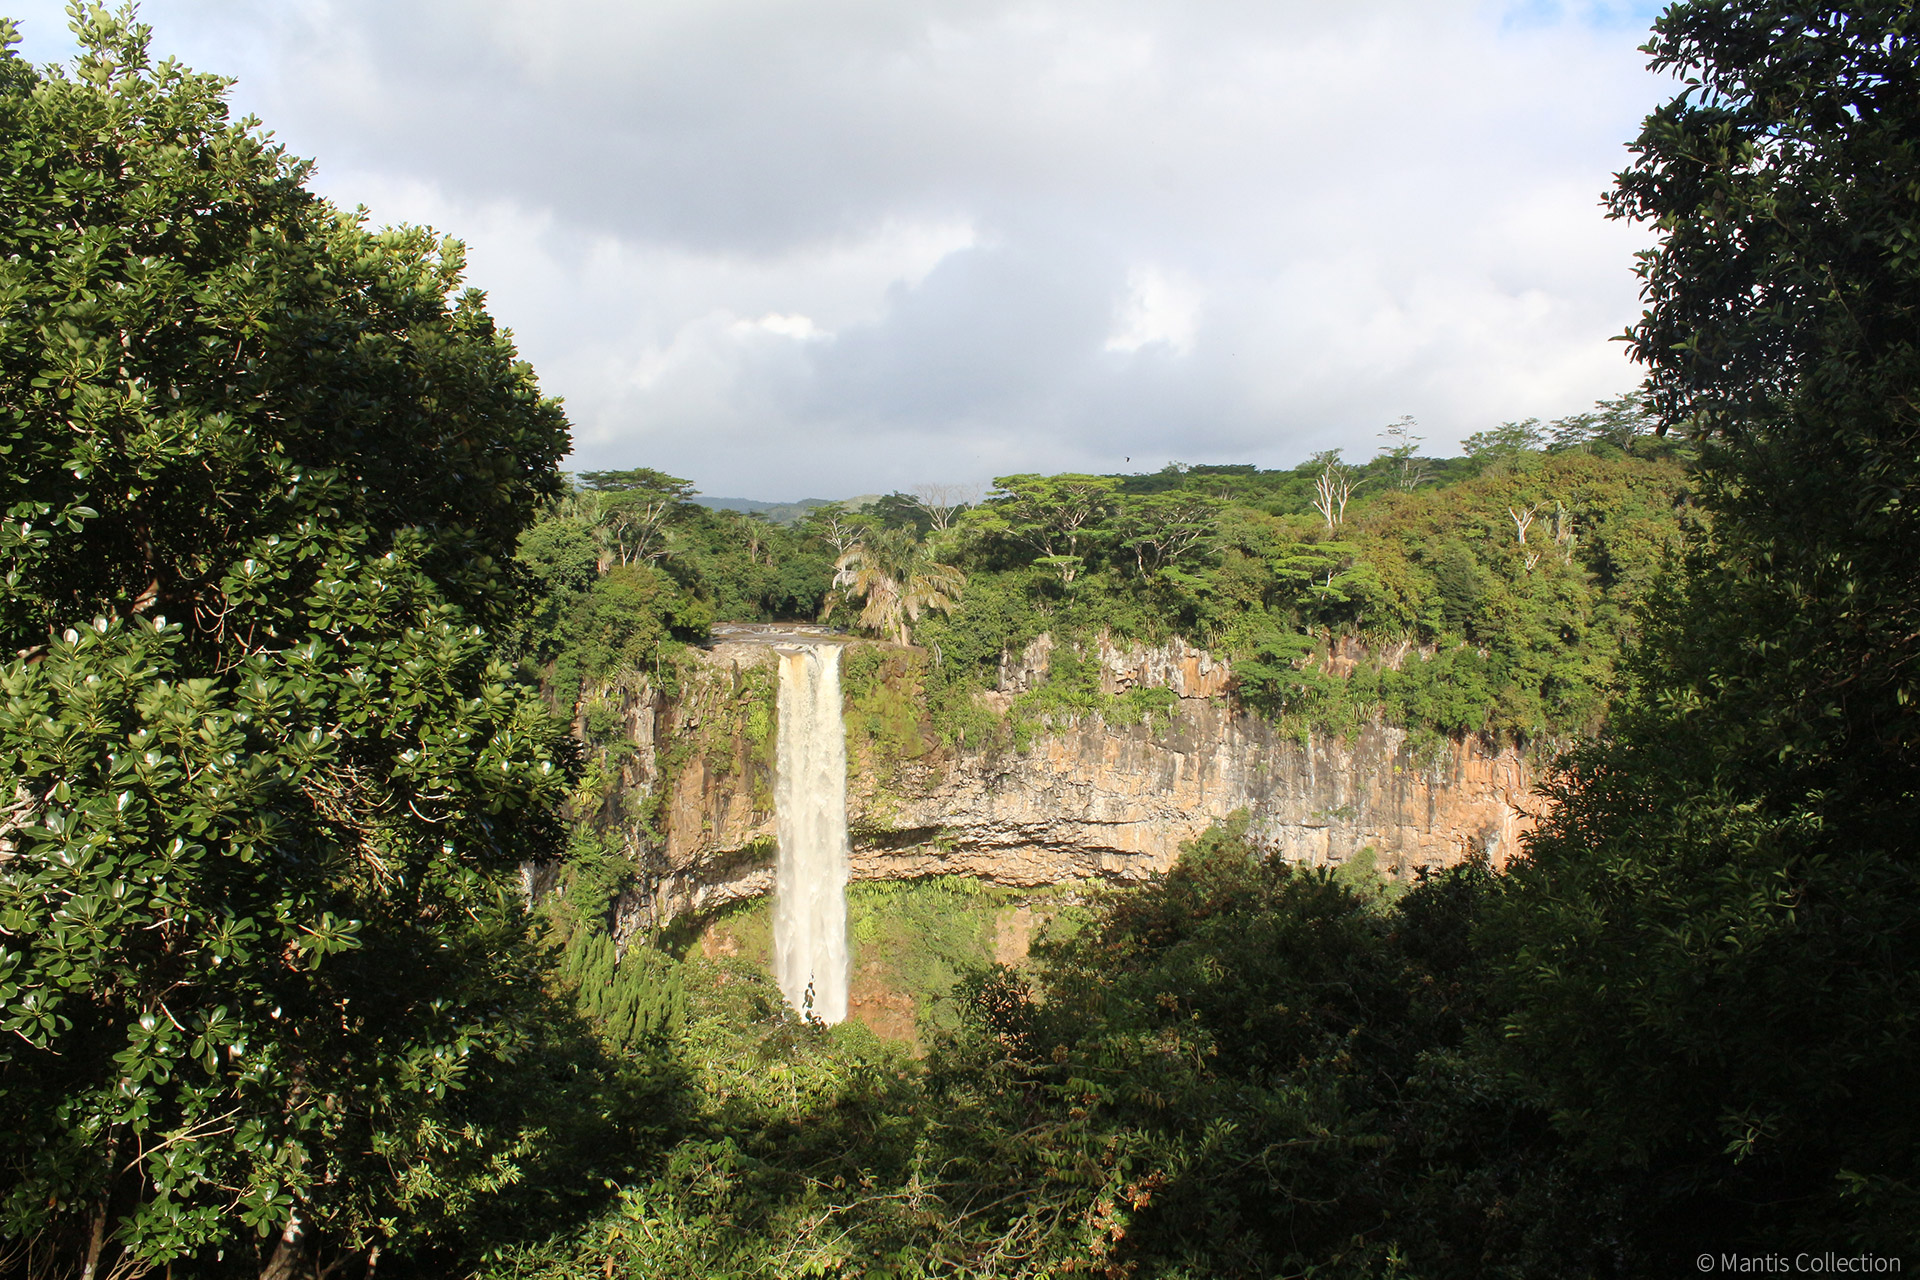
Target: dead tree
942,502
1332,488
1522,519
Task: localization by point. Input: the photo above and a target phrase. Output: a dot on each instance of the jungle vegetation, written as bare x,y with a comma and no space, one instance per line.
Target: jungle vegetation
283,713
1488,594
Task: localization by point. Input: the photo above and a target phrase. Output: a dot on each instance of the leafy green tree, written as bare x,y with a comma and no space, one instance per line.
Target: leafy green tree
1278,676
1060,518
632,510
641,480
1712,952
1460,587
620,623
1505,444
1318,578
559,556
1618,423
901,511
1161,529
262,966
559,559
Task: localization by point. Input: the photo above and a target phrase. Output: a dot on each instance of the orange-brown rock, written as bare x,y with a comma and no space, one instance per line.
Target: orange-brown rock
1093,799
1089,799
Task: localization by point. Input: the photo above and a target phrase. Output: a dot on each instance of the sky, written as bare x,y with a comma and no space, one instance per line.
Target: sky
790,250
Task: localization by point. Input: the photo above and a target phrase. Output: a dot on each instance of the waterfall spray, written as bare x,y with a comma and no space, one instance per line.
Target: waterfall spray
810,802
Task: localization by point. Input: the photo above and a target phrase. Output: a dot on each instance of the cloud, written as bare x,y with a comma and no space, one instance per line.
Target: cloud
1160,306
792,250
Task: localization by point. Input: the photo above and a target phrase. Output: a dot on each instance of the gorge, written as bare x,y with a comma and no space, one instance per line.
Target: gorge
701,799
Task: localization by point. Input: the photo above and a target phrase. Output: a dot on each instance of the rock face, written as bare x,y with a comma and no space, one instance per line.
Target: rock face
1117,801
1087,798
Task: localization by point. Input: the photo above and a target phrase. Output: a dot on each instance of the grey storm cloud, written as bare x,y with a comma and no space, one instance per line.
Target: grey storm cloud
987,332
792,250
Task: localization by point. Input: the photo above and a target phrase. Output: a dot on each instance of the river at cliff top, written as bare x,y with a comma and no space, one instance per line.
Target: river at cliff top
775,633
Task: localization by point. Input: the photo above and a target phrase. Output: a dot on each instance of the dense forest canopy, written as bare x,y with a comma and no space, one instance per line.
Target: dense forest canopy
284,710
1489,593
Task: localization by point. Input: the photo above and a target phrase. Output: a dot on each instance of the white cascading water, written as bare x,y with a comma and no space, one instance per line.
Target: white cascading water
810,809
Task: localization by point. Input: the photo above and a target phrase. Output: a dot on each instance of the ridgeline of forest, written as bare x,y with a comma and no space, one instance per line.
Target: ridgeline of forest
284,713
1511,574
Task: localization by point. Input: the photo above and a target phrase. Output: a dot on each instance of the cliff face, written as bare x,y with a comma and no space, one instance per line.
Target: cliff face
1086,797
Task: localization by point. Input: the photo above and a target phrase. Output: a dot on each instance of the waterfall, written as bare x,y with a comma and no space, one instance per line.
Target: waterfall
810,806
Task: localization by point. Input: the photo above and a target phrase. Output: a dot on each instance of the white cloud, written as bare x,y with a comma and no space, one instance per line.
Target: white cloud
1161,307
840,247
801,327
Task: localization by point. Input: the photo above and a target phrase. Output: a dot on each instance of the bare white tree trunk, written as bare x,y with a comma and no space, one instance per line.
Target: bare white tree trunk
841,534
1330,493
941,501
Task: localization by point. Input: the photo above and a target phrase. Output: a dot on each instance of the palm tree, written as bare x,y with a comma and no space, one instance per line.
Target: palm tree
891,570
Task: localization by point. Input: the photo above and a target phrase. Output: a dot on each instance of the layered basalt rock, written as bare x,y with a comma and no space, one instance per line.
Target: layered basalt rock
1087,798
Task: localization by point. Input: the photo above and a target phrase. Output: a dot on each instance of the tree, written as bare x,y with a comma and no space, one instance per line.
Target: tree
1459,589
1161,528
754,532
1712,949
1402,454
900,511
835,526
1056,516
559,560
262,958
942,502
633,509
1619,422
1522,518
1505,444
1319,577
641,480
1332,488
618,625
891,571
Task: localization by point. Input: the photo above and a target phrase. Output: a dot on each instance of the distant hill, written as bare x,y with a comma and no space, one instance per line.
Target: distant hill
784,513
